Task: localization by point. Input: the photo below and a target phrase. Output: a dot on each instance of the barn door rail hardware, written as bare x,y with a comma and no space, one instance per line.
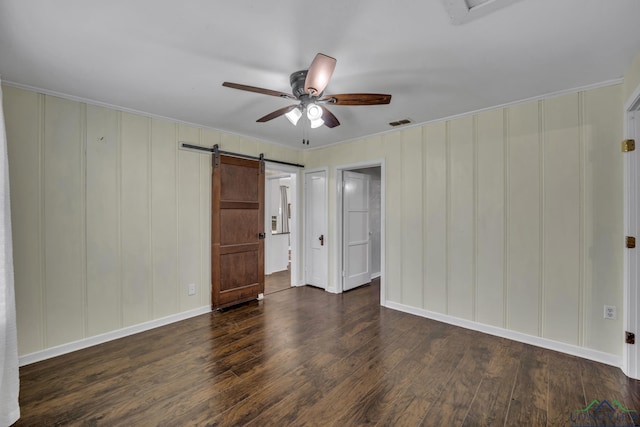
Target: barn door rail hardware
216,149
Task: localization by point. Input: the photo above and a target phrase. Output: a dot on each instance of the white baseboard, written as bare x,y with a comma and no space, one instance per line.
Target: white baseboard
108,336
574,350
375,275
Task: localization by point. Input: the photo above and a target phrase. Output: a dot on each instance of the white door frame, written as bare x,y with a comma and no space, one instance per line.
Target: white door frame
326,223
338,226
294,231
631,353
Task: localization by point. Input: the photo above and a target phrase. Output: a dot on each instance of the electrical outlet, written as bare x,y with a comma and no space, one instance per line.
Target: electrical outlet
192,289
610,312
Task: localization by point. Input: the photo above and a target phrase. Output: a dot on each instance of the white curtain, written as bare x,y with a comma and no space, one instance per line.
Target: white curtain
284,208
9,379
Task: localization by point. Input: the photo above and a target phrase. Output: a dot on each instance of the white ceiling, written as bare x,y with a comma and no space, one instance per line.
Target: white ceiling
169,58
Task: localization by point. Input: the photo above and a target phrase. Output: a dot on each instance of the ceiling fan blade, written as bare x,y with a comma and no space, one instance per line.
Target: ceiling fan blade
276,113
357,99
330,120
258,90
319,74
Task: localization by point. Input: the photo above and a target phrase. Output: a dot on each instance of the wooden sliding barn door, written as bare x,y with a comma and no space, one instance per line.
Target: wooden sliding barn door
237,230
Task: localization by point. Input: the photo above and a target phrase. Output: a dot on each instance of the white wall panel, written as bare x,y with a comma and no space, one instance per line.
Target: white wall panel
460,257
435,217
239,144
412,179
135,219
524,219
103,206
490,218
603,212
394,215
63,221
189,245
561,218
22,110
164,232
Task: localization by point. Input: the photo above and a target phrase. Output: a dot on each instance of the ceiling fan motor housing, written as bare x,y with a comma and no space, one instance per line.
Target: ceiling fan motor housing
297,80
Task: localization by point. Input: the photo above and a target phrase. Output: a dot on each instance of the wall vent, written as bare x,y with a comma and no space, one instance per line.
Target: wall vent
400,122
462,11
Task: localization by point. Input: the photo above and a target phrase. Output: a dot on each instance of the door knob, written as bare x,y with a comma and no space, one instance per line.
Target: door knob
261,236
321,238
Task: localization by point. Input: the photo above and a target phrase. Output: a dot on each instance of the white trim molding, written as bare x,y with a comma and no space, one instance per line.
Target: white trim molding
631,353
583,352
59,350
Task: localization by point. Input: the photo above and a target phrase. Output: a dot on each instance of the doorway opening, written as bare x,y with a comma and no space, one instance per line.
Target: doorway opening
281,228
360,230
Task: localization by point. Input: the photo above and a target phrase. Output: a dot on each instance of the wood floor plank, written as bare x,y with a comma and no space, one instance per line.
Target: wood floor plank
564,397
378,401
530,393
493,396
303,356
602,383
449,408
425,387
338,400
278,281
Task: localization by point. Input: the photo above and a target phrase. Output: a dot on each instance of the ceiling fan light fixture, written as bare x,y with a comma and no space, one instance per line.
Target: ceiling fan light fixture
316,123
308,87
314,112
294,115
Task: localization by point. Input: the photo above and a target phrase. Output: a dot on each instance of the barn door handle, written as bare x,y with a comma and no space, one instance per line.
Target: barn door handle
261,236
321,238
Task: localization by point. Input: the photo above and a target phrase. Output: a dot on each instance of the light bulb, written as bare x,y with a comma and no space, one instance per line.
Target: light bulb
316,123
314,112
294,115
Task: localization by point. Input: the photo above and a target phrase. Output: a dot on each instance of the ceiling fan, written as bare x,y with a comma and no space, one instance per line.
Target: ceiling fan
308,88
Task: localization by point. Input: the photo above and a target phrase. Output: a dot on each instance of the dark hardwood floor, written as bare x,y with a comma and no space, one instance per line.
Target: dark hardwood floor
278,281
307,357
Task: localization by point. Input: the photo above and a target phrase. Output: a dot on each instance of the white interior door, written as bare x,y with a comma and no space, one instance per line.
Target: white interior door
355,230
316,253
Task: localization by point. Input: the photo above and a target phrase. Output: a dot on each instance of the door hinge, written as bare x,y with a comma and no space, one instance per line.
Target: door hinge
630,337
628,145
630,242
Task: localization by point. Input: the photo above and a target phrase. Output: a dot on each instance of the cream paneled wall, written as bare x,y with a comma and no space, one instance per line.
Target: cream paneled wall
110,217
510,218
